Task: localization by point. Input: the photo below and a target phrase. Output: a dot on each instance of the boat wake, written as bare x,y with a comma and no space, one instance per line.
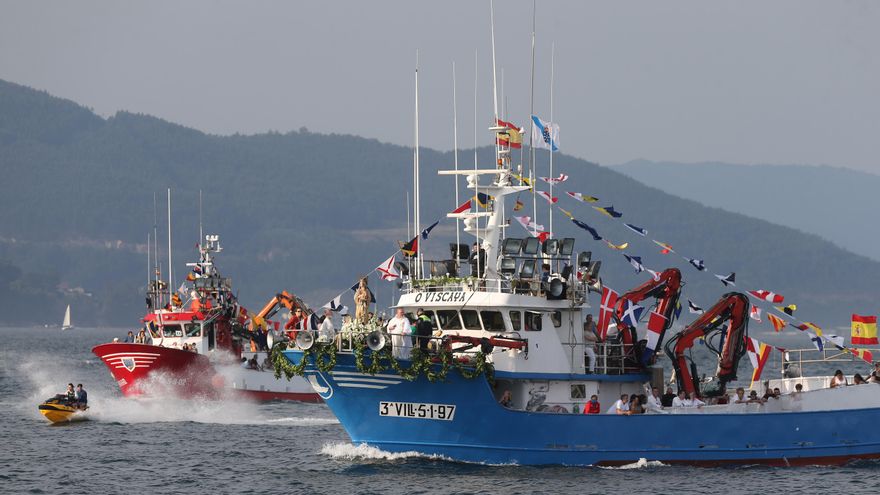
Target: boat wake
640,464
364,452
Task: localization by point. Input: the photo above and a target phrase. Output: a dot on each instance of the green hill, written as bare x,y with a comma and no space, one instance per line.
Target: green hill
309,213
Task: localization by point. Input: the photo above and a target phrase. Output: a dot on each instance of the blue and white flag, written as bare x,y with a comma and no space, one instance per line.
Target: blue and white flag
632,313
727,279
698,264
545,134
335,304
636,262
428,230
817,341
694,309
638,230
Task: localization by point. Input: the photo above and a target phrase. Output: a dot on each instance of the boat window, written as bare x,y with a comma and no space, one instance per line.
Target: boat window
578,391
556,318
448,319
172,331
492,321
533,321
515,320
470,319
192,329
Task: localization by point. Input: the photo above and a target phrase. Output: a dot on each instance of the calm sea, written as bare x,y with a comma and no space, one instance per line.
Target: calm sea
174,446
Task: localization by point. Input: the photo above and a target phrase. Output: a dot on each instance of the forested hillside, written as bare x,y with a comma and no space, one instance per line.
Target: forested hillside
309,213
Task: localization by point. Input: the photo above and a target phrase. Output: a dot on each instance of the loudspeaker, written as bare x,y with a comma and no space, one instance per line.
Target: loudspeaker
376,340
305,340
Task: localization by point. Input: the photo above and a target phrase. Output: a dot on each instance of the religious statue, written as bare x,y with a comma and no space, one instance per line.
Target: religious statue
362,301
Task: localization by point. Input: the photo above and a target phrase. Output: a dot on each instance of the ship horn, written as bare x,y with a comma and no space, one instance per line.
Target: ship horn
376,340
305,340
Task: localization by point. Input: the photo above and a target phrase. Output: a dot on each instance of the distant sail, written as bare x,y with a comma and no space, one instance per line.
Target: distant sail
66,324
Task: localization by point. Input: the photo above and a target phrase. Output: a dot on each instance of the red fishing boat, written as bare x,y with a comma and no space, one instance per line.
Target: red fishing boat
199,342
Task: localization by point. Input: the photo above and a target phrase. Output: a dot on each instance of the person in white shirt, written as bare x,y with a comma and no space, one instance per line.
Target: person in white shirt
590,340
621,406
654,399
739,397
693,401
326,332
400,330
678,401
838,380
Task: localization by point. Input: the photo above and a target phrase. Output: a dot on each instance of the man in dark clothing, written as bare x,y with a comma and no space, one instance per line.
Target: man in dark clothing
424,329
478,261
82,397
667,398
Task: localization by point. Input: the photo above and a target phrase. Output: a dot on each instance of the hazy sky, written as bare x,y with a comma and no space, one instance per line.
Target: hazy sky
745,82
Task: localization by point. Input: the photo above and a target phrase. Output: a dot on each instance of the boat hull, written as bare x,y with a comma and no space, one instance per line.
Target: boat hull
142,369
483,431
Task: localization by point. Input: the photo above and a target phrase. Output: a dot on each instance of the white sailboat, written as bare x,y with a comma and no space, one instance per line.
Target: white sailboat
66,325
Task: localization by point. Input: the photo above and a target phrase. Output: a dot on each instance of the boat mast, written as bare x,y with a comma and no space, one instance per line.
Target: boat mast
157,303
552,74
201,234
418,229
476,187
531,124
170,274
149,265
455,157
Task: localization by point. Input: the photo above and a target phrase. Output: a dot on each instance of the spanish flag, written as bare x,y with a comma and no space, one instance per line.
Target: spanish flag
511,136
863,354
864,330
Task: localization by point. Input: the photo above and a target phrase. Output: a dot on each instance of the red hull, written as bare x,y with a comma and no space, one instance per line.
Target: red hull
141,369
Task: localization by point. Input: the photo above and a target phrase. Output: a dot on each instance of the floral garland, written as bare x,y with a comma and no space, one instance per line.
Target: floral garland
421,363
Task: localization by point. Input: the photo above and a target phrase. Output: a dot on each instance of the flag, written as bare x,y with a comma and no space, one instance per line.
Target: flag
727,280
632,313
694,309
817,341
555,180
354,288
543,236
182,289
777,322
528,224
666,247
837,340
755,314
524,180
606,309
428,230
410,248
335,304
483,199
789,310
636,262
386,269
619,247
758,353
698,264
864,330
545,134
310,322
566,213
511,136
463,207
656,324
546,195
518,206
768,296
863,354
608,210
190,276
638,230
583,199
677,309
591,230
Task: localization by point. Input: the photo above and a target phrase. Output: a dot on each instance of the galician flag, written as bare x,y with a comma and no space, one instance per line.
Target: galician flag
545,134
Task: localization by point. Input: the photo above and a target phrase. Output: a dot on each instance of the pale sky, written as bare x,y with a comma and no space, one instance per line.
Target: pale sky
743,82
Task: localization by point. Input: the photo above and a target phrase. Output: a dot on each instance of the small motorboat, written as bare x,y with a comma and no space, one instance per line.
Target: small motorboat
59,409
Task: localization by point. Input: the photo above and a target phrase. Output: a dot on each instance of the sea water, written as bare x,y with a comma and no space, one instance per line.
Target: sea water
180,446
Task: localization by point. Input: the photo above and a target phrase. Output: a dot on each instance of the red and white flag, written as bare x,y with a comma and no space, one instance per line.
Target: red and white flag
768,296
758,353
656,324
755,314
555,180
606,310
386,269
546,195
463,208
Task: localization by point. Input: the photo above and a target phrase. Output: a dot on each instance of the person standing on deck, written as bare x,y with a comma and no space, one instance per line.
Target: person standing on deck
590,340
400,330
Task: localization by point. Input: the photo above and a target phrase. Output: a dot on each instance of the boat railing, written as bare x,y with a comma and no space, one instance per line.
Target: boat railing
793,361
612,358
521,286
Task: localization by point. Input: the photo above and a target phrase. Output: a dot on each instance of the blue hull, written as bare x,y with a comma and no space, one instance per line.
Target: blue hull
483,431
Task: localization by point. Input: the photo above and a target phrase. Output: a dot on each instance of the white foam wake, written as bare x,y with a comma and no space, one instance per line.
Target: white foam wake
642,463
351,452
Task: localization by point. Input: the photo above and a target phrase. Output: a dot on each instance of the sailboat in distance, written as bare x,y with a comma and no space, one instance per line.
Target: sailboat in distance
66,325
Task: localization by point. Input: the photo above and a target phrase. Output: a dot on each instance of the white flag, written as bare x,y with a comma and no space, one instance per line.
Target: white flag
545,134
387,270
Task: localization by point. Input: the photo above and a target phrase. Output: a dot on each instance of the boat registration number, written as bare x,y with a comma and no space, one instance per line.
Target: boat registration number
443,412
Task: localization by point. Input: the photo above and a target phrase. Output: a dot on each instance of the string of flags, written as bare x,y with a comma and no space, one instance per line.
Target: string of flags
778,323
